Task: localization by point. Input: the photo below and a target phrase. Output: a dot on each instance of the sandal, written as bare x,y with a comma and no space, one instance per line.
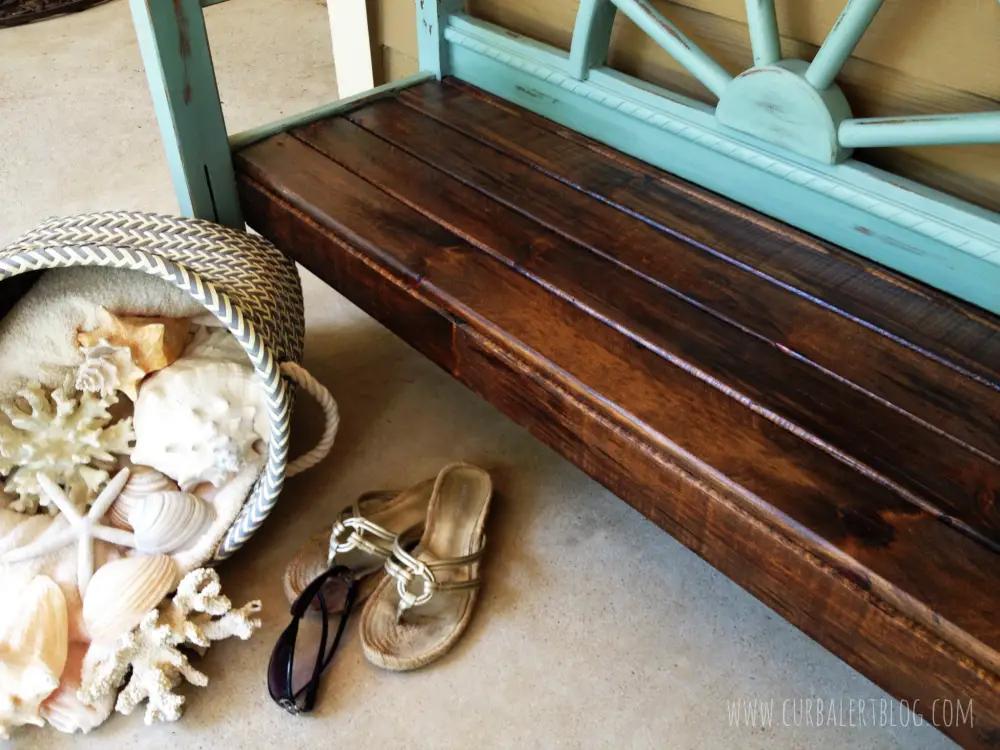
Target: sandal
403,628
361,540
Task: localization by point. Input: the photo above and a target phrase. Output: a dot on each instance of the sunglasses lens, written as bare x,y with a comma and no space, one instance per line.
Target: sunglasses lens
310,647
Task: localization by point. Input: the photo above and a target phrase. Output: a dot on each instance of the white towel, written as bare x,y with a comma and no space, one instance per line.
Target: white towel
38,336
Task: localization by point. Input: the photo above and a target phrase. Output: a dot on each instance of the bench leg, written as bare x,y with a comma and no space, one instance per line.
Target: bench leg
175,52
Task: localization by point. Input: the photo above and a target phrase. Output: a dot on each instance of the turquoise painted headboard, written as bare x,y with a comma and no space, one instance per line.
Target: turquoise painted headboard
779,140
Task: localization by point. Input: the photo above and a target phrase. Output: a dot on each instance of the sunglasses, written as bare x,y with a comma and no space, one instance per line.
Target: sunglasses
305,649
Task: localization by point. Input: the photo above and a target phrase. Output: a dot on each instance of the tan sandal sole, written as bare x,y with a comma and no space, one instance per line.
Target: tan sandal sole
456,519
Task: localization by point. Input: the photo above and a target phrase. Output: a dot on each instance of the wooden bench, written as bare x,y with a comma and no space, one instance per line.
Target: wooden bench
820,428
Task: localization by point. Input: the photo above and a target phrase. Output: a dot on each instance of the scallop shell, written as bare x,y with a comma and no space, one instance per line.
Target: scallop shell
64,710
142,483
121,592
34,638
199,420
168,521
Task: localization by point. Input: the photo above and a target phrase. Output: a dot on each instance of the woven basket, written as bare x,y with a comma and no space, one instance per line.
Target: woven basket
240,278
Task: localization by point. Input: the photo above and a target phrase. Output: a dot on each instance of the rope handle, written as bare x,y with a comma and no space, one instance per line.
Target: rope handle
301,377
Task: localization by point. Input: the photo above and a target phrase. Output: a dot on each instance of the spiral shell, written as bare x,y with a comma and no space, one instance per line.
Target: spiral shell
107,369
142,483
168,521
122,591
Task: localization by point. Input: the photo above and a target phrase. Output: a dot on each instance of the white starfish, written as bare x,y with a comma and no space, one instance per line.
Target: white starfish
83,530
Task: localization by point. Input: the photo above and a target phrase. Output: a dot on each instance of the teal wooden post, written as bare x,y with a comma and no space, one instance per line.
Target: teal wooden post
591,37
432,17
175,52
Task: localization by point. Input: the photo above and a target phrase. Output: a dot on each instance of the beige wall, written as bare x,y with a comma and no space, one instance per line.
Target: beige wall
393,25
919,57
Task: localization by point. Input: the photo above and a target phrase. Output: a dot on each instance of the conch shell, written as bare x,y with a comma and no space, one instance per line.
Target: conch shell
142,482
199,421
64,710
155,343
107,369
34,638
215,343
168,521
123,591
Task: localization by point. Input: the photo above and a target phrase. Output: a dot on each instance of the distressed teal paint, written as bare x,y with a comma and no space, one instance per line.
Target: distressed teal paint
841,41
776,104
764,38
178,63
248,137
712,75
930,236
432,16
206,3
928,130
591,36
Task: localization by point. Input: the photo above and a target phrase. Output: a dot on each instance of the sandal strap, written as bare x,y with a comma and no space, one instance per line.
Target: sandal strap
405,568
349,531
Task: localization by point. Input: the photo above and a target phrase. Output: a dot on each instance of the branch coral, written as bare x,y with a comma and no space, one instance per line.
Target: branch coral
197,615
65,434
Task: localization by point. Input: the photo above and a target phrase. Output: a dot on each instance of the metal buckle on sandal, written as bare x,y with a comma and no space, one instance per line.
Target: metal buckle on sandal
404,567
354,529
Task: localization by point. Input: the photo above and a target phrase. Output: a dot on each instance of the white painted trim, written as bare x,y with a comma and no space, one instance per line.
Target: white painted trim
352,51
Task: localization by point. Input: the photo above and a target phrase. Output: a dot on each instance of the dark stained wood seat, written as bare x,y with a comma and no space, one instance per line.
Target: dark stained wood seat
822,431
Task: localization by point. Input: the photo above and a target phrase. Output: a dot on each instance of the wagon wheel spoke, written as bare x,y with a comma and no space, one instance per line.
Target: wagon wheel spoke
841,41
764,38
920,130
697,62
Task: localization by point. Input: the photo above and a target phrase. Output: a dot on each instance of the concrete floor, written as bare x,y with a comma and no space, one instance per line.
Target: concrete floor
595,628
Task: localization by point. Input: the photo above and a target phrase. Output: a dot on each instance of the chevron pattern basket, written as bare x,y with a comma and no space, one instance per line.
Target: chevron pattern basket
242,279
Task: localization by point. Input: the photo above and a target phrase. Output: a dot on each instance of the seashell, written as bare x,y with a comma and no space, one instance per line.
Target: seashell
168,521
62,566
142,483
107,369
122,591
64,710
155,343
198,420
215,343
34,638
227,503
